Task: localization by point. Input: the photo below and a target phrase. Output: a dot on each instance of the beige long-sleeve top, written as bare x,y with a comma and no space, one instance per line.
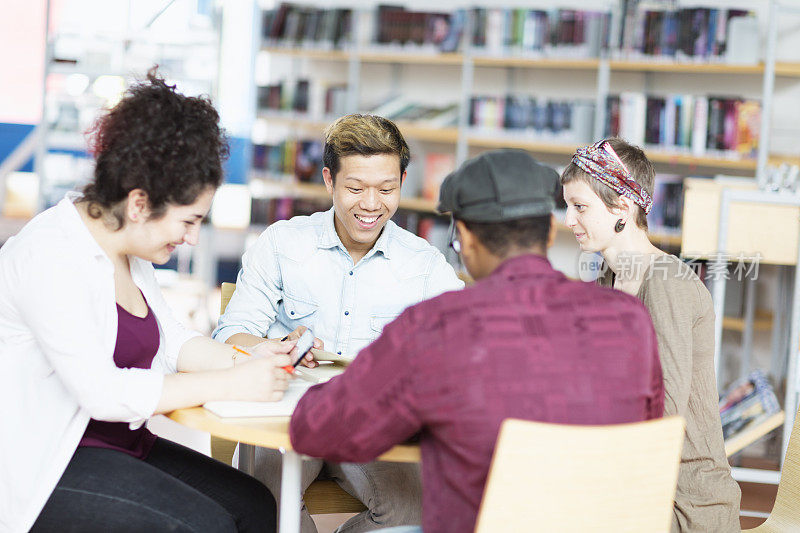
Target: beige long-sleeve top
707,497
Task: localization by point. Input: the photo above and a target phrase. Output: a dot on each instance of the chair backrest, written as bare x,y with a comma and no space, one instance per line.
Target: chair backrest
227,291
785,515
565,478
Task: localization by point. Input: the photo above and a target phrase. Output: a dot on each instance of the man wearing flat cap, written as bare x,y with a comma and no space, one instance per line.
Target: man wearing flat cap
522,342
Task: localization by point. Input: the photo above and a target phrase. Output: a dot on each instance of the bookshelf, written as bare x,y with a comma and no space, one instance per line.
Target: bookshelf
753,432
375,55
464,134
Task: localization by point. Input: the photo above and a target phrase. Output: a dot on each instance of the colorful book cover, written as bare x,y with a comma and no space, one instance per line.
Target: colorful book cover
748,126
437,167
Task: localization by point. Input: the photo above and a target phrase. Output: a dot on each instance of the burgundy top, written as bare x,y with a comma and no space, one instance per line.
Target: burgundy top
137,343
526,342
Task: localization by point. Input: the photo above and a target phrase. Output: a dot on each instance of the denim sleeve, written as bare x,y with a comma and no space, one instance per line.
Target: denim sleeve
254,304
441,277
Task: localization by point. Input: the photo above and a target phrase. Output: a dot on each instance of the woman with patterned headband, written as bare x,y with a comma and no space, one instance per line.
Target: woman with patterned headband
608,188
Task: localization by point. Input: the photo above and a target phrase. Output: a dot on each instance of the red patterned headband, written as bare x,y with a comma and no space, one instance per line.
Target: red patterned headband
602,163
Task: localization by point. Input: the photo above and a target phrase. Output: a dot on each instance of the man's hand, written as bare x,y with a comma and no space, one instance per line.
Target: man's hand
272,347
308,360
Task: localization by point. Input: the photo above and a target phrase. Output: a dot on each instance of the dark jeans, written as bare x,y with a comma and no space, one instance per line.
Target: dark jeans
174,489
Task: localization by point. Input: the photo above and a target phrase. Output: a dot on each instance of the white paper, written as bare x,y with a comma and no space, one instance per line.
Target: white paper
285,407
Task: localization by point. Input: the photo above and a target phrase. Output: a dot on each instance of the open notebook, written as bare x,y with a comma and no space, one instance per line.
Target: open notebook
297,387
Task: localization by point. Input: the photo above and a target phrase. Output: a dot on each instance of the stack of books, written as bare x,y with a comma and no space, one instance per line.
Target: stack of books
401,109
700,125
692,33
568,121
555,32
746,403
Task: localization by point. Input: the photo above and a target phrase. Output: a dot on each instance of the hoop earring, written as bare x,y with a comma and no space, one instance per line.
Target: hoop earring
619,226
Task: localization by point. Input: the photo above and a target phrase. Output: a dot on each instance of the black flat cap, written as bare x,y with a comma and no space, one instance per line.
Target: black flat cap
497,186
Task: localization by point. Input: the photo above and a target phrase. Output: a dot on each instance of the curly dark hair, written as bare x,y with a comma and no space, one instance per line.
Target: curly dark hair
169,145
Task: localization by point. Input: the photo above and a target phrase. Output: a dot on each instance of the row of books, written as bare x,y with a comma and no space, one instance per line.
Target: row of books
641,28
696,124
686,33
494,30
396,25
302,25
747,402
266,211
534,31
301,158
303,97
563,121
274,97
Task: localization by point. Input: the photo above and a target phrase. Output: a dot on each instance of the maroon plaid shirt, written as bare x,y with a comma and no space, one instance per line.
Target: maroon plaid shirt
525,342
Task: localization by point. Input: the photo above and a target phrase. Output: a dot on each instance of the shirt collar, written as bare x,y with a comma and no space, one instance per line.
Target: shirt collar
75,228
330,239
524,265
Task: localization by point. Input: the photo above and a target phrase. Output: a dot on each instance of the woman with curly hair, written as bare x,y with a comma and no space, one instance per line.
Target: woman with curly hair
89,349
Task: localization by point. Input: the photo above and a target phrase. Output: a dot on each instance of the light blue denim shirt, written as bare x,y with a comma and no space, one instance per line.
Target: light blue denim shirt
298,273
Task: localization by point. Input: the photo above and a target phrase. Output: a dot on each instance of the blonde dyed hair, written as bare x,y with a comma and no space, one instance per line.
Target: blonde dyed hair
365,135
638,165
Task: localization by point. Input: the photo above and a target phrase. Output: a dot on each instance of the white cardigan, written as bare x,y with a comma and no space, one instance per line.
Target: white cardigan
58,329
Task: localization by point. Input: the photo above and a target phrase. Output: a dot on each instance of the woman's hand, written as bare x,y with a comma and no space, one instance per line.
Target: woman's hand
260,379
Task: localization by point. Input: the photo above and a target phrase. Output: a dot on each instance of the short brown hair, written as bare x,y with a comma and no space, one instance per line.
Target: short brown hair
367,135
635,160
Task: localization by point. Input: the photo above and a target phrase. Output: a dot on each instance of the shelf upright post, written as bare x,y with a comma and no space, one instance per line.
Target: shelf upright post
354,65
718,283
41,147
603,82
749,318
767,91
467,77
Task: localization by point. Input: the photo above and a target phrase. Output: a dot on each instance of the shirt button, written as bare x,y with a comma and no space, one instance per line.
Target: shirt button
346,313
351,272
338,353
291,312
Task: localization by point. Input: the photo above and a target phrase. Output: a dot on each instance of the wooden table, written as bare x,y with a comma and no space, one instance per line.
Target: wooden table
272,432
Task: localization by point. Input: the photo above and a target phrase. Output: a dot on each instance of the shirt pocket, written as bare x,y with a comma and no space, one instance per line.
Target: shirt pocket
378,320
299,312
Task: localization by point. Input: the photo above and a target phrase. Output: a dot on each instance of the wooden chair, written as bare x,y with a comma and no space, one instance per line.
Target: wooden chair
785,515
321,497
553,477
